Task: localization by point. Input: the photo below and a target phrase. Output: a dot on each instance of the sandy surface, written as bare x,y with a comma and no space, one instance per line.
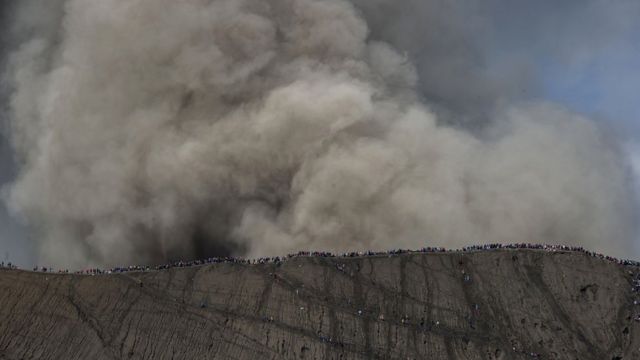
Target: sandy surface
512,304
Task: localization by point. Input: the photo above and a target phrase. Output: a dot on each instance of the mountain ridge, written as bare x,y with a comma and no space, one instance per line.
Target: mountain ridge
493,304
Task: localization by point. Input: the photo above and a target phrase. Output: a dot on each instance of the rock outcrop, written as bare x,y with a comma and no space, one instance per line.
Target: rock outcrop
503,304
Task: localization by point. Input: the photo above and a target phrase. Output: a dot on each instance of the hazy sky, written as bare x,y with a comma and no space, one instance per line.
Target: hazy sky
586,59
13,246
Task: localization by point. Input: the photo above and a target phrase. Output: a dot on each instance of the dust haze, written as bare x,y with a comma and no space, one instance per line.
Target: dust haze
152,130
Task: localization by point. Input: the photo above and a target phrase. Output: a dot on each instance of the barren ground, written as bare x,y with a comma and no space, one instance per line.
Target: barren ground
514,304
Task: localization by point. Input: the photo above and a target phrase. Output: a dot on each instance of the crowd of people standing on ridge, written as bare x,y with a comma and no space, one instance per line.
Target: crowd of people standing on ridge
280,259
8,265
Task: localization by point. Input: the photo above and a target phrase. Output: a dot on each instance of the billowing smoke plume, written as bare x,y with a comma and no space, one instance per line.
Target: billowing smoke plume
158,129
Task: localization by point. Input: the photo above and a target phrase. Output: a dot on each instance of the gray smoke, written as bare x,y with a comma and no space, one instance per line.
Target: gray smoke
157,129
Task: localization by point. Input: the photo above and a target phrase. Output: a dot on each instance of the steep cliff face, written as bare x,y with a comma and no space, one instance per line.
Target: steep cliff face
507,304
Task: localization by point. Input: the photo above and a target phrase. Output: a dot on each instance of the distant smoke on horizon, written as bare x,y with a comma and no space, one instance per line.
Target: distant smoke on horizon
153,130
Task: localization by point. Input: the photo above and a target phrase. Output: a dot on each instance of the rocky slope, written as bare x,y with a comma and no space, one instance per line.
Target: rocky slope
506,304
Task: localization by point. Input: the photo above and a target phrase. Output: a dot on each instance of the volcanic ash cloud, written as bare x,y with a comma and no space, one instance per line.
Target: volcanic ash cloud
153,130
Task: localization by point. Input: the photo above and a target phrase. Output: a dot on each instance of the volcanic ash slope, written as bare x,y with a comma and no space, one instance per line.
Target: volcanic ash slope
507,304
